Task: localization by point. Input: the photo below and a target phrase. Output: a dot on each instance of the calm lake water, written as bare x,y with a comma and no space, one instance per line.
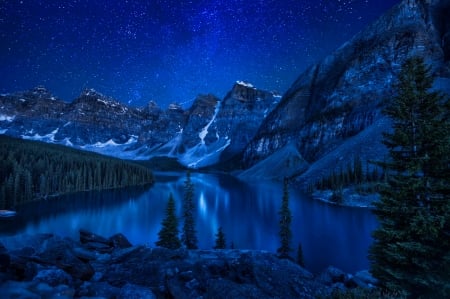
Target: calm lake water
248,213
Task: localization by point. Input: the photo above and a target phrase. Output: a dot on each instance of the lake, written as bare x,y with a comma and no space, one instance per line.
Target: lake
247,212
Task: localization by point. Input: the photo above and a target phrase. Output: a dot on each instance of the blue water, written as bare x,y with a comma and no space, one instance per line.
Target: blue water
248,213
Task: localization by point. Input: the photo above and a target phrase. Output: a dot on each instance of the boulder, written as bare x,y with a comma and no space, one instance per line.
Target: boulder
88,237
5,259
84,254
119,241
332,275
58,251
366,277
97,289
131,291
53,277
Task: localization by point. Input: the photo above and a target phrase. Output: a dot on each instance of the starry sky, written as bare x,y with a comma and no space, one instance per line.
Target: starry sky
167,50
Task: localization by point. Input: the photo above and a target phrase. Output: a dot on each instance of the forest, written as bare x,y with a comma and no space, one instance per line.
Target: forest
31,170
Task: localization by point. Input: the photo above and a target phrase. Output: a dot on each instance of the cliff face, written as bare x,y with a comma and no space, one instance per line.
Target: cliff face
342,96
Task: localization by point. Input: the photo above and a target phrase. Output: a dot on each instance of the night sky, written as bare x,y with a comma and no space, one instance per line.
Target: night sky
170,51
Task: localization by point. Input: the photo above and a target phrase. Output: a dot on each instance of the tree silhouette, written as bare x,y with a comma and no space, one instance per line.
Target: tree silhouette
285,224
411,250
220,240
168,235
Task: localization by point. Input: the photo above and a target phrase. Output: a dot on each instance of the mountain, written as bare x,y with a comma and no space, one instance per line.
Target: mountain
210,131
332,112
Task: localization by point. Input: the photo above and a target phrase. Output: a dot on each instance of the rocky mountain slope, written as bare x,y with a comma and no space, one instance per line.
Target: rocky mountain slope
210,131
339,100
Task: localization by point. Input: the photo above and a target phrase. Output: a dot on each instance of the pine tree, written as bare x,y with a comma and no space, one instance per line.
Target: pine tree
300,259
411,250
220,240
285,224
168,235
189,237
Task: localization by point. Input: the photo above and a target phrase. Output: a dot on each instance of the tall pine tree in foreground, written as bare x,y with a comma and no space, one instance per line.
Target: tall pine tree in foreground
411,251
285,224
168,235
189,237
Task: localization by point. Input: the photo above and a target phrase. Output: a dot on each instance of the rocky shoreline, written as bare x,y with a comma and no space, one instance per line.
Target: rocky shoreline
50,266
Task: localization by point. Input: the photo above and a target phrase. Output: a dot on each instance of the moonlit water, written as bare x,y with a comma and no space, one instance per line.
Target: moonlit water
248,213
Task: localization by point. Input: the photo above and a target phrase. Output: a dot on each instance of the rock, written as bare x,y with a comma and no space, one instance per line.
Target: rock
119,241
84,254
130,291
118,255
353,282
366,277
89,237
22,268
97,289
5,259
59,252
332,275
53,277
14,289
98,247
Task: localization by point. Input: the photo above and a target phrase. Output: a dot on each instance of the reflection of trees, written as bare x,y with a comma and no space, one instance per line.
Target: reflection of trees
35,212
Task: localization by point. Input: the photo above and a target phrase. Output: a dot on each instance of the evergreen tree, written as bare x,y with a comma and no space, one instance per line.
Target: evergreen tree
300,259
285,224
168,235
411,250
220,240
189,237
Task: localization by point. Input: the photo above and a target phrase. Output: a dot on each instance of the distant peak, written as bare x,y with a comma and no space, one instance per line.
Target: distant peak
245,84
91,92
175,106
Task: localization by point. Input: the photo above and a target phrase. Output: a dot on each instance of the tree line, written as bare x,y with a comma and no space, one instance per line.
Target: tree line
31,170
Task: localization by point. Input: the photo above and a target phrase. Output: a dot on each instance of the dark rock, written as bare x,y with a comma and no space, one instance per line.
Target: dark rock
366,277
84,254
59,252
16,289
89,237
130,291
353,282
53,277
119,241
120,254
24,252
22,268
332,275
99,247
97,289
5,259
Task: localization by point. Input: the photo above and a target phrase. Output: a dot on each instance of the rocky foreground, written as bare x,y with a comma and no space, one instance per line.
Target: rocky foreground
50,266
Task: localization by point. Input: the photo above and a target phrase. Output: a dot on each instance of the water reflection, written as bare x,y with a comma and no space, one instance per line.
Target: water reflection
248,214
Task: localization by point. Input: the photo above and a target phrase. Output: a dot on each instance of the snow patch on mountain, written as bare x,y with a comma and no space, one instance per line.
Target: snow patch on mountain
204,131
50,137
